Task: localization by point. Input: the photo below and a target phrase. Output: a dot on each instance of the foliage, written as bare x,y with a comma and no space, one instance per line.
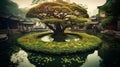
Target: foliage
62,61
112,8
33,43
52,20
106,20
36,1
110,50
59,15
115,6
9,7
56,10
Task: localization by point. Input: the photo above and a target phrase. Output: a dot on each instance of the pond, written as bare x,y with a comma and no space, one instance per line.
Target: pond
106,56
22,59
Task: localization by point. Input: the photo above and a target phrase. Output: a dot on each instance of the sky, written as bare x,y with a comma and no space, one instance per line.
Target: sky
91,4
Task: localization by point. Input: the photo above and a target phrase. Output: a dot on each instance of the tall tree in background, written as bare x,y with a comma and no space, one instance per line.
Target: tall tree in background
112,12
59,15
9,7
112,9
115,9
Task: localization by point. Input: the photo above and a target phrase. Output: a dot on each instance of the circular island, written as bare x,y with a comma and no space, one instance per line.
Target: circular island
73,42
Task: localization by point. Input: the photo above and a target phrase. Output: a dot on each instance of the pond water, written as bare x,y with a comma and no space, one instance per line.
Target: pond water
21,59
93,60
108,55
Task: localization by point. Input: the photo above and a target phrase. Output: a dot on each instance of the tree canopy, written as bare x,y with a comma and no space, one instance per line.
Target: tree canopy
112,7
59,15
9,7
112,11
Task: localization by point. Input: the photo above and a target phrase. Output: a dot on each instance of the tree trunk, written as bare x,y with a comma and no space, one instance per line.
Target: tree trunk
58,31
59,35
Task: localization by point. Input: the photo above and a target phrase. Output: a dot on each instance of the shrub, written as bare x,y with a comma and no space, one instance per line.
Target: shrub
106,20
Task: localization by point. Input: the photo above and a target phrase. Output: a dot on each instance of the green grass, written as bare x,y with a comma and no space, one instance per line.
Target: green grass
33,43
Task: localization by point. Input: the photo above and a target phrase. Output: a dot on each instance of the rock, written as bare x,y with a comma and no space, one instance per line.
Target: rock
3,37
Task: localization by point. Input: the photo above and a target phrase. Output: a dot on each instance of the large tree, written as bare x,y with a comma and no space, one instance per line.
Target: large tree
9,7
37,1
59,15
111,9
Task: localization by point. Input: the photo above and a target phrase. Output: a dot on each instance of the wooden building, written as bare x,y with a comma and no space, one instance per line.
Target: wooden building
26,26
8,23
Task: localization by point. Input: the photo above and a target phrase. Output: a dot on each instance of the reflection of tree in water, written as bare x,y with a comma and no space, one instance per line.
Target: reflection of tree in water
20,59
41,60
110,53
6,50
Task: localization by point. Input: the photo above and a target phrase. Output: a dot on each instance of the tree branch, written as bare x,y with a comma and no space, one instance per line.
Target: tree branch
51,27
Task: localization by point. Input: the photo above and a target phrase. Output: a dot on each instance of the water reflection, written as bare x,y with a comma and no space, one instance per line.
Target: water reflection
47,38
93,60
6,50
42,60
20,58
107,56
110,52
